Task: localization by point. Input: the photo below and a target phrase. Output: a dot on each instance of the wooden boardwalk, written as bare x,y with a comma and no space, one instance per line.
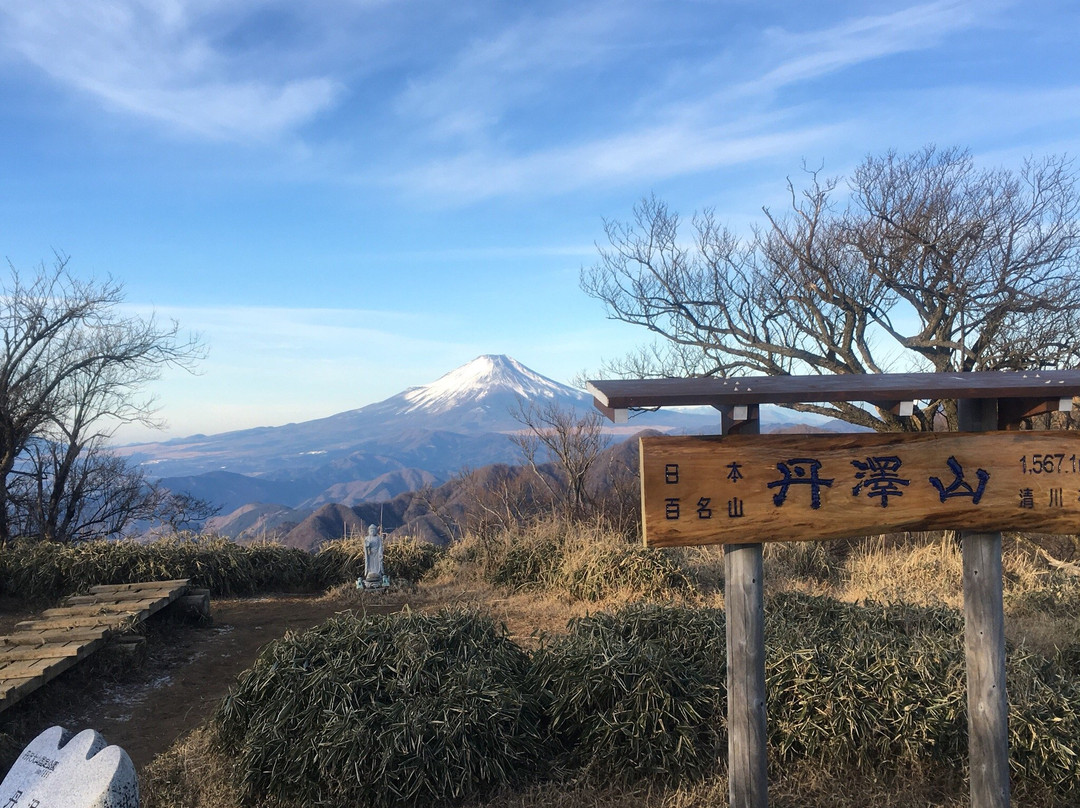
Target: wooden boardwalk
41,649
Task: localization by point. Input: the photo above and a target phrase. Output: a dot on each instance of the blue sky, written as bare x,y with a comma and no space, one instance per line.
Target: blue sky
349,197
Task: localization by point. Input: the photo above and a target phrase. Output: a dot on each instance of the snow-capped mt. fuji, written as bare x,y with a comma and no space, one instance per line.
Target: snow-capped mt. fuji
460,419
483,379
481,395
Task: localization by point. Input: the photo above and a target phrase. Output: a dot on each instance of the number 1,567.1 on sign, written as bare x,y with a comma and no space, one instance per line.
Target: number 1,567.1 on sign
1059,463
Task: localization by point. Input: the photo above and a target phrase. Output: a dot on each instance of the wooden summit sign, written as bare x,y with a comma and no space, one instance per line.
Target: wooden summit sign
742,489
735,489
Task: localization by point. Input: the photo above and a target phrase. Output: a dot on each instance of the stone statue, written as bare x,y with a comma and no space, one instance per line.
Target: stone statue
373,570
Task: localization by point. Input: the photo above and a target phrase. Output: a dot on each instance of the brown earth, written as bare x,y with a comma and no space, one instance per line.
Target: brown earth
146,701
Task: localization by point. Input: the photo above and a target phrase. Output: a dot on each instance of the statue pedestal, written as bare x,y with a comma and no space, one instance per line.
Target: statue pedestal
373,582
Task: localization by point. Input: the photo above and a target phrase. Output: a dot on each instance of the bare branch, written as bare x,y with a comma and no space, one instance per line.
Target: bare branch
72,366
928,264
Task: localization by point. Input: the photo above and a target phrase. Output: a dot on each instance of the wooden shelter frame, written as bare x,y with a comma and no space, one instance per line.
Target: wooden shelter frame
986,401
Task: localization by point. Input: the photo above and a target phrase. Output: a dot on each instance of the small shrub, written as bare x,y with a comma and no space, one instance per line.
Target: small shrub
384,710
876,688
866,686
337,562
796,562
599,572
44,571
1044,719
582,560
639,693
524,559
276,568
410,559
1047,615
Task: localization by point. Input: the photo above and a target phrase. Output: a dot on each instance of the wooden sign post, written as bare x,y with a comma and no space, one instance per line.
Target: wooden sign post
726,490
984,626
742,488
744,628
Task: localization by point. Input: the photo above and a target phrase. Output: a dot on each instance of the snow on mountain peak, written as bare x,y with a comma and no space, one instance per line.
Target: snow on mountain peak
484,376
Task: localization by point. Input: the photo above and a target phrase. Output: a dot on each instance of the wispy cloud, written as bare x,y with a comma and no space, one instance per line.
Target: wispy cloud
298,329
640,156
470,93
863,39
715,112
472,104
155,60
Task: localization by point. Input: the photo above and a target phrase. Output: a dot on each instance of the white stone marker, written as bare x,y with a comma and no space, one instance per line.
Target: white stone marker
59,770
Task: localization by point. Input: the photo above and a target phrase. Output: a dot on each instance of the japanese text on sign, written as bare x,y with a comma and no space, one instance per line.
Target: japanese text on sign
703,490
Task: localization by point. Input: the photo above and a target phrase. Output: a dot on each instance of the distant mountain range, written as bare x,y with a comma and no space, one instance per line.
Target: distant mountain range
417,438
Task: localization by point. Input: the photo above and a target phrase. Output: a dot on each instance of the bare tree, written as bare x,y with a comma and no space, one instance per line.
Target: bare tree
571,442
71,369
926,264
102,496
498,498
182,511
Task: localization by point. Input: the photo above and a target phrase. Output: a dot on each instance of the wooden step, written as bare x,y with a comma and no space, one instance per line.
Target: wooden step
44,647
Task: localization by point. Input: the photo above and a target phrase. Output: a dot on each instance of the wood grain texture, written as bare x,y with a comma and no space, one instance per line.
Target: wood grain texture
1048,385
744,607
740,488
984,645
43,648
984,649
745,613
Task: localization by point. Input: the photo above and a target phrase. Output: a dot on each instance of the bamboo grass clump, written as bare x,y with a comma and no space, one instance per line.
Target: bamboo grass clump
45,571
873,687
42,572
865,686
414,709
600,572
385,710
639,693
584,562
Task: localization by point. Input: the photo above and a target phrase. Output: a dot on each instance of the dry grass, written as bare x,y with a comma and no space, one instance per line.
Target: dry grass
921,569
190,775
533,599
1042,604
528,616
804,784
574,562
706,794
800,785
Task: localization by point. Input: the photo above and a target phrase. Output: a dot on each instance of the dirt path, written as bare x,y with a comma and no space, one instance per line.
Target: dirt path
187,670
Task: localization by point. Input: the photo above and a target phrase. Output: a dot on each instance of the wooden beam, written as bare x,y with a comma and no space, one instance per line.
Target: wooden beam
621,416
167,586
647,393
1011,411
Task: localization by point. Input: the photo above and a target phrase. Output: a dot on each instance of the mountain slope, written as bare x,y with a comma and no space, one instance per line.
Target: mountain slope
459,419
419,436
